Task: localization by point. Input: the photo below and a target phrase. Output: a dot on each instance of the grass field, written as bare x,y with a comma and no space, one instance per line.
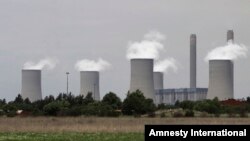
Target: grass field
91,128
71,137
96,125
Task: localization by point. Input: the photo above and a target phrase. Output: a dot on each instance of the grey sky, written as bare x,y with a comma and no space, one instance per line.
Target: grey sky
71,30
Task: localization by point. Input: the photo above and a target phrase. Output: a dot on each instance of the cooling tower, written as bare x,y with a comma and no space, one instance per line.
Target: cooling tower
221,79
230,35
142,77
31,85
89,83
158,80
193,61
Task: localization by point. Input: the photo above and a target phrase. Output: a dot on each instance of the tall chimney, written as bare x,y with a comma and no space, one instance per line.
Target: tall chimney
193,61
230,35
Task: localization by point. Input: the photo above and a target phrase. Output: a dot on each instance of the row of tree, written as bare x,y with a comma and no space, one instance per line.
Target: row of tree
69,105
231,106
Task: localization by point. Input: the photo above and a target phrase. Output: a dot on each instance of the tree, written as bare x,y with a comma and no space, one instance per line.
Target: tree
55,107
88,99
112,100
135,103
187,104
18,99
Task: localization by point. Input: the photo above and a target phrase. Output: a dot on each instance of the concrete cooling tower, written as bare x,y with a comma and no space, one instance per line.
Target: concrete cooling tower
193,61
31,85
89,82
221,79
230,35
158,80
142,77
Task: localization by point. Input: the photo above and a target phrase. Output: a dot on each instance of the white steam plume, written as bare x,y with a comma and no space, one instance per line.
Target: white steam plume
92,65
47,63
231,51
165,65
148,48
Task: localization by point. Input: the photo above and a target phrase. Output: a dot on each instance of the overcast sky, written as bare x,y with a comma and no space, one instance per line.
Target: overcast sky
71,30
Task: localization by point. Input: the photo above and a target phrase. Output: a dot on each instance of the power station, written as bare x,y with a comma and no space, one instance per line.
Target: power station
142,77
31,85
151,84
89,83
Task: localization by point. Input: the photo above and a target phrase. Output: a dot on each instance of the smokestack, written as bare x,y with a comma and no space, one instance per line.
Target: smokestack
193,61
158,80
221,79
142,77
230,35
89,81
31,85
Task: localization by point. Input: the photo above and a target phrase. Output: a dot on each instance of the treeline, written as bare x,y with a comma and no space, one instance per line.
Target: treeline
230,108
69,105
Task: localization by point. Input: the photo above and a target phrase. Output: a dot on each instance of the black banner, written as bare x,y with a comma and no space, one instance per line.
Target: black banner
196,132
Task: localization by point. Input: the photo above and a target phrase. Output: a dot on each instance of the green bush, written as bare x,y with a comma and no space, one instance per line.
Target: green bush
187,105
189,113
162,115
11,114
2,112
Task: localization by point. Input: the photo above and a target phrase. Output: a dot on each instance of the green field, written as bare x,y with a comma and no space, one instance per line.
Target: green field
71,137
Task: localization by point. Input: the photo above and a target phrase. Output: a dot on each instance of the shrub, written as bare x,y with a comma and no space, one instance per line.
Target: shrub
151,114
163,115
178,114
11,114
204,114
189,113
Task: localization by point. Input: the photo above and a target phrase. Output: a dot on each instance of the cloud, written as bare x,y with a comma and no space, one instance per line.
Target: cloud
148,48
47,63
165,65
92,65
231,51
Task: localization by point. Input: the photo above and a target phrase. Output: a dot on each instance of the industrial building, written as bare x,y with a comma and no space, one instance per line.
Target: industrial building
31,85
142,77
89,83
170,96
158,80
221,79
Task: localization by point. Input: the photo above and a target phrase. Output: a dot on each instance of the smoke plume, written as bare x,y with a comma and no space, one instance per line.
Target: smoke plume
47,63
231,51
165,65
148,48
92,65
